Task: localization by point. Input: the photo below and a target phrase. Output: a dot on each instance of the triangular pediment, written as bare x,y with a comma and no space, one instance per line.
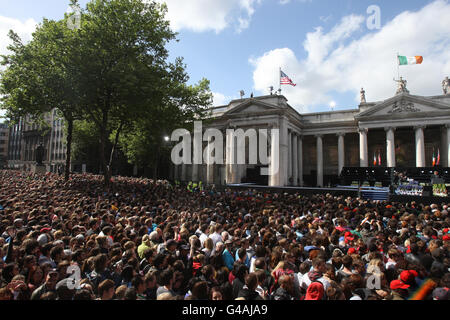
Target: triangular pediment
252,106
404,105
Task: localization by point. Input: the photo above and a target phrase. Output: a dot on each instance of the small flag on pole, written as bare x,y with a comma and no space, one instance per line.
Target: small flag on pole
438,160
433,159
379,157
403,60
374,159
284,79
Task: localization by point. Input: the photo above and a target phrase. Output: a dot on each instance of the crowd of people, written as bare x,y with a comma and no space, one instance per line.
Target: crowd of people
141,239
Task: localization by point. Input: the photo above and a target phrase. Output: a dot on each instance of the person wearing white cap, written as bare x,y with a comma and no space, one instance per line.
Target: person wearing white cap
42,239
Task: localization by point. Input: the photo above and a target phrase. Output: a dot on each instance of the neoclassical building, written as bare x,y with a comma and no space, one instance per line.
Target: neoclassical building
27,134
405,130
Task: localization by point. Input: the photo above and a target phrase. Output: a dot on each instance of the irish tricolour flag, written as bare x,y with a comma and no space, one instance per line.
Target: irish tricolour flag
403,60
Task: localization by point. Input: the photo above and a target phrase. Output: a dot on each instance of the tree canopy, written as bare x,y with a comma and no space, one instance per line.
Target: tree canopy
112,70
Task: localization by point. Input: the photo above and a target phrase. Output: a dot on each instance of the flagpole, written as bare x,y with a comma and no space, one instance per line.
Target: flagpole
279,81
398,67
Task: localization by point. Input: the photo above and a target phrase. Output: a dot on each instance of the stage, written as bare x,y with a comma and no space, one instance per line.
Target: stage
373,193
369,193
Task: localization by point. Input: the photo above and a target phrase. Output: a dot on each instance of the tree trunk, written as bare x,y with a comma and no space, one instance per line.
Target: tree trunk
102,156
116,141
69,147
103,139
155,166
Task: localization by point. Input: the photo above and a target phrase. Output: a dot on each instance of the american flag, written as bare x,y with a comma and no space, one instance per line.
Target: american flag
284,79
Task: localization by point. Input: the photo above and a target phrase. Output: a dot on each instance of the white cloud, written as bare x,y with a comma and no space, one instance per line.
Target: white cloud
343,60
23,28
283,2
220,99
207,15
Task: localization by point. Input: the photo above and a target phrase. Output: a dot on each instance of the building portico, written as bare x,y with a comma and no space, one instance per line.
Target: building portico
404,130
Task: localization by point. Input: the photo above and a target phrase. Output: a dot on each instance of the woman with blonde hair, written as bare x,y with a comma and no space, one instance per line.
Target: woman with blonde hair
208,249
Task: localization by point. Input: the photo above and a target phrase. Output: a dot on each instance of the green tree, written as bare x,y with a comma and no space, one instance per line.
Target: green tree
143,142
112,69
85,143
39,77
122,65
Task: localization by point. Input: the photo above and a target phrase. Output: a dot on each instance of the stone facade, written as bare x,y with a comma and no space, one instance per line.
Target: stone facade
4,139
404,130
26,135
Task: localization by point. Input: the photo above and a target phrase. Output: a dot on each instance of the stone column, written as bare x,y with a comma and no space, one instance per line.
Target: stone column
177,172
390,146
294,160
447,126
300,161
274,176
289,156
235,171
341,155
183,172
420,146
195,172
171,171
209,165
229,158
319,160
283,151
363,150
444,143
279,178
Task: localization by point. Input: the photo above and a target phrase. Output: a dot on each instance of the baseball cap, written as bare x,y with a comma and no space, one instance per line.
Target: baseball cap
315,291
408,276
46,229
349,236
42,239
397,284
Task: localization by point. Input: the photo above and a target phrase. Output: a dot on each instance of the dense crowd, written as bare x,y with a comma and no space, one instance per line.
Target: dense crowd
141,239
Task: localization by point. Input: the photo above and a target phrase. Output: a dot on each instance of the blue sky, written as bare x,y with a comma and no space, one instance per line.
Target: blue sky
325,46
